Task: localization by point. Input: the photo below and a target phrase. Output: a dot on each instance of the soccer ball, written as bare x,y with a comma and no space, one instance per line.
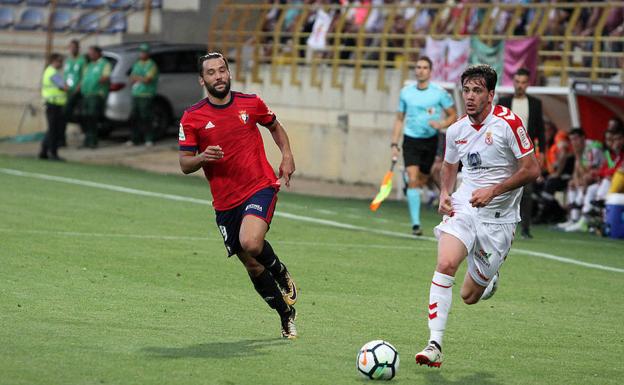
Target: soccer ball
378,360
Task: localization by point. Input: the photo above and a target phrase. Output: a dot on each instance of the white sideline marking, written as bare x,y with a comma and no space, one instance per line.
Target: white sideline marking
295,217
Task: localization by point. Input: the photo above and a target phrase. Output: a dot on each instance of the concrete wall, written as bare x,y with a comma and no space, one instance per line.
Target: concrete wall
338,134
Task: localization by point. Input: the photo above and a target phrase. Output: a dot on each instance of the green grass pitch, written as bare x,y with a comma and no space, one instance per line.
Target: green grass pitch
105,287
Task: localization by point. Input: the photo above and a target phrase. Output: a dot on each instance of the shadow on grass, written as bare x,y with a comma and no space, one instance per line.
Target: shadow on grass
242,348
480,378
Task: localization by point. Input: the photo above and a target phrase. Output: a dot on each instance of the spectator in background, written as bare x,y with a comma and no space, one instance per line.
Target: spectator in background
588,157
596,193
94,90
53,91
144,78
529,109
72,72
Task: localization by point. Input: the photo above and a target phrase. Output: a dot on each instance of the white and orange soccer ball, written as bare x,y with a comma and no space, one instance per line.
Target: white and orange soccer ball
378,360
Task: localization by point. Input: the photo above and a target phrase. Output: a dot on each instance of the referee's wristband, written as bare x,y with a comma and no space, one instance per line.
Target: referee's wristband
394,145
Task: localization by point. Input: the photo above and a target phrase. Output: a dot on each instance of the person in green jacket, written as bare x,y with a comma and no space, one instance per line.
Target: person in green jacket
53,91
144,78
94,88
72,72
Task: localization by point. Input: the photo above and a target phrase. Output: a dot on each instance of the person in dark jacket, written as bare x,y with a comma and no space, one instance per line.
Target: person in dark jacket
529,108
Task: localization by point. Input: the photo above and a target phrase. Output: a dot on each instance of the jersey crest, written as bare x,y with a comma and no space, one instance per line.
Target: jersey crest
243,116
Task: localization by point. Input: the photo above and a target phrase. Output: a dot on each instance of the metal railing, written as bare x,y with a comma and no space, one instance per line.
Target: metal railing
248,32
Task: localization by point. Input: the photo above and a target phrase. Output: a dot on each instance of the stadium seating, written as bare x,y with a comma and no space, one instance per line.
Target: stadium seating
68,3
7,18
11,2
61,20
140,4
88,22
94,3
37,3
117,23
121,4
30,20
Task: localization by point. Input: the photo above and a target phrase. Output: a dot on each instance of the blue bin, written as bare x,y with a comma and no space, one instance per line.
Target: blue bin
615,215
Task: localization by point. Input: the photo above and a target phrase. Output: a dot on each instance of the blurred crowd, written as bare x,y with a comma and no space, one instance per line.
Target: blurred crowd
585,171
377,17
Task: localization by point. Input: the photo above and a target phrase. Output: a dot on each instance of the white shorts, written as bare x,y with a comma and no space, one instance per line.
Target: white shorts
487,243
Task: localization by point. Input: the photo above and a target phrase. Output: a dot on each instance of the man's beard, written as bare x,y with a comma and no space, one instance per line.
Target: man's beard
218,94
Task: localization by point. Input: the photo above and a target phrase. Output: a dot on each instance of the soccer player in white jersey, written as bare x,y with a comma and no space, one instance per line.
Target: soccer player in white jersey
481,216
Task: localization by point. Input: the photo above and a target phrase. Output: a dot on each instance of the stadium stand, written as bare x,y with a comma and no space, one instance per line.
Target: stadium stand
117,23
37,3
61,20
94,3
30,20
87,22
121,4
11,2
67,3
7,18
574,39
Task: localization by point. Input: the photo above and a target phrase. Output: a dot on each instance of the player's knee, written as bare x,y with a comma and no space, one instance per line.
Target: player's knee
252,246
447,267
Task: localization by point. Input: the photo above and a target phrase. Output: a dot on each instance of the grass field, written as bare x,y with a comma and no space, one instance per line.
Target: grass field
107,286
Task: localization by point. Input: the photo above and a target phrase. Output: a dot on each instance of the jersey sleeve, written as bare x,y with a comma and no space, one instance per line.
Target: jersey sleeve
518,139
446,100
402,105
265,116
187,137
451,155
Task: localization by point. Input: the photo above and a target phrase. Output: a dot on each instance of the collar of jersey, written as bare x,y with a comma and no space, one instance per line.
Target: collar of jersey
222,106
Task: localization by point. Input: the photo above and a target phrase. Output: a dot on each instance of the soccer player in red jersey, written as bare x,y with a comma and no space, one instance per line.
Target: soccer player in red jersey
220,136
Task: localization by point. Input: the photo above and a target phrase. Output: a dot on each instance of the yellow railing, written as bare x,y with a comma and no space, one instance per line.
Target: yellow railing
242,32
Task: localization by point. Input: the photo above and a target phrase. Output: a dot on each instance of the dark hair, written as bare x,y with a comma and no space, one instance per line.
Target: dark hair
75,41
577,131
209,56
523,72
482,71
618,122
96,48
54,57
427,59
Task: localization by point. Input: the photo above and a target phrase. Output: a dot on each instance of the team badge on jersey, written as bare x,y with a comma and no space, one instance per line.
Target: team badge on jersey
243,116
488,138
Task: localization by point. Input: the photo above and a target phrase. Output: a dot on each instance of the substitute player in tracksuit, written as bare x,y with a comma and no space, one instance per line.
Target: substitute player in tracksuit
220,135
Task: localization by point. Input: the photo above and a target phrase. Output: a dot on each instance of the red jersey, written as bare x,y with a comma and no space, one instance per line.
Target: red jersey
244,168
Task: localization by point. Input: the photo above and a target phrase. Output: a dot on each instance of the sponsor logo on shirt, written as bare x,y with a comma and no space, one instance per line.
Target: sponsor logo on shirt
253,206
209,125
181,135
243,116
474,159
524,138
461,141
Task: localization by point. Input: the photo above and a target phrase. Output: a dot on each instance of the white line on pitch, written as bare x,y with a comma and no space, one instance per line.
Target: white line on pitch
296,217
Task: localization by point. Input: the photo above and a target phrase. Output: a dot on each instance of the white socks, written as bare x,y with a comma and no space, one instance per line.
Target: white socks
440,299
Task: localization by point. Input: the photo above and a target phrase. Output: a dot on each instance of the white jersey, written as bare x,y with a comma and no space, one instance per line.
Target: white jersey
489,153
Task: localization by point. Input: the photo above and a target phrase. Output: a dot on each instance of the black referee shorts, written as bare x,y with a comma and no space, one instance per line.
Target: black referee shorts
420,152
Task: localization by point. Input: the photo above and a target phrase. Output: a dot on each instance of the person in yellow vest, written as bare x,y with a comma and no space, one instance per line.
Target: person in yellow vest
54,93
144,77
94,88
